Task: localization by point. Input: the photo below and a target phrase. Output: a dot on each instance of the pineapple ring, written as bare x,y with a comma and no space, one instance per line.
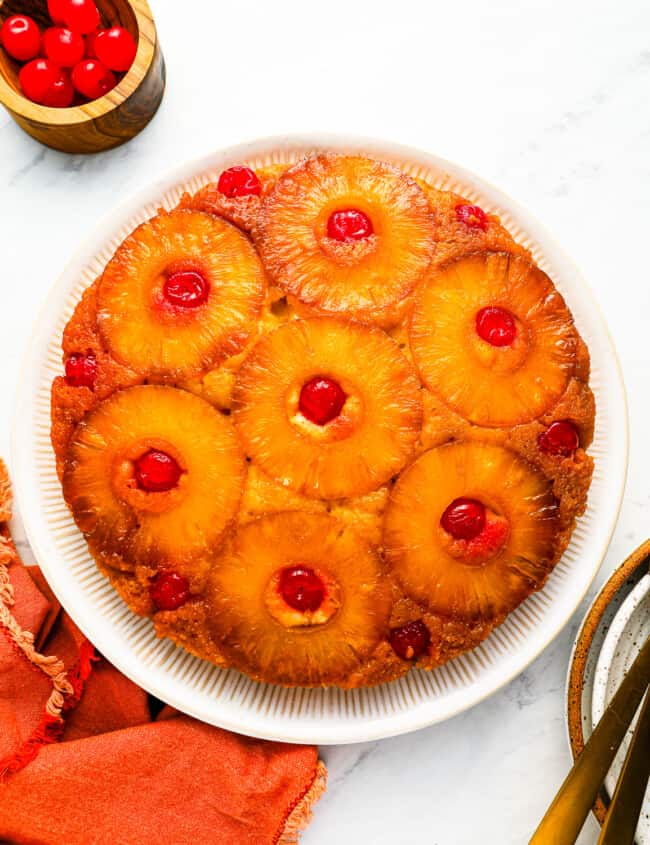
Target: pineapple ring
176,525
370,441
138,325
430,568
309,655
363,279
489,385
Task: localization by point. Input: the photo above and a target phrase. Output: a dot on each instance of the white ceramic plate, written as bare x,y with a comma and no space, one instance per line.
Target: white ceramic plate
226,698
629,630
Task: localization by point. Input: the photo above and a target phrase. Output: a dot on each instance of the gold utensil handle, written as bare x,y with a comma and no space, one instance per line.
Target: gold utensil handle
566,815
623,814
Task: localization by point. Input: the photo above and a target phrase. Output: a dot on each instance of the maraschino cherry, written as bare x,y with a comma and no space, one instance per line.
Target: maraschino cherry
156,471
464,519
80,370
115,47
496,326
20,37
45,83
92,78
37,78
301,588
169,590
472,216
411,640
61,93
55,10
63,46
321,400
560,438
349,224
80,15
186,289
239,181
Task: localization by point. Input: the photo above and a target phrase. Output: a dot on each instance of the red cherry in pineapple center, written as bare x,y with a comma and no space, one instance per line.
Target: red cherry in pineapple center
321,400
156,471
464,519
411,640
560,438
169,590
496,326
239,181
349,224
301,588
186,289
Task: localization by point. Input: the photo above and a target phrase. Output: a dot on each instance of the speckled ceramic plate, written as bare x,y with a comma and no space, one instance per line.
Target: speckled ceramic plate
616,625
227,698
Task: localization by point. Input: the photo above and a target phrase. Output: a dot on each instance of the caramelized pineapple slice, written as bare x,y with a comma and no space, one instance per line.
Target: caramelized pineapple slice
328,408
347,236
298,599
471,529
153,474
182,293
493,338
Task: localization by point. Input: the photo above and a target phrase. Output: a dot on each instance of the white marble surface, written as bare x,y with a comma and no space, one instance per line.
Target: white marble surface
548,99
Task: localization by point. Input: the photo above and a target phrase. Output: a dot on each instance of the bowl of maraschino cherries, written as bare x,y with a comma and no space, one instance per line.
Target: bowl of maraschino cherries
73,61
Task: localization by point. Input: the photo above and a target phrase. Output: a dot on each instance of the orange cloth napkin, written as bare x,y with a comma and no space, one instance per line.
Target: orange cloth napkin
82,759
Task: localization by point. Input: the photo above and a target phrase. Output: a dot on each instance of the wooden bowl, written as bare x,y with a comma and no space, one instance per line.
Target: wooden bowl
112,119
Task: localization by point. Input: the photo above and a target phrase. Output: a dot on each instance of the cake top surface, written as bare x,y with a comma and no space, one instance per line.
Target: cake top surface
324,422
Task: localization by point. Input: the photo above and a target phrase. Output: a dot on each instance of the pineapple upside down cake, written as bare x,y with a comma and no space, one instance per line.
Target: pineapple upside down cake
324,422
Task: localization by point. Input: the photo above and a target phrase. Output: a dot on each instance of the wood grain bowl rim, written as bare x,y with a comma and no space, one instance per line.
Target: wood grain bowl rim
581,652
95,108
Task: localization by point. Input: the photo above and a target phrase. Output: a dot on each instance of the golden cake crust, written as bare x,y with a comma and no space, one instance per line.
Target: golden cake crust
360,516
